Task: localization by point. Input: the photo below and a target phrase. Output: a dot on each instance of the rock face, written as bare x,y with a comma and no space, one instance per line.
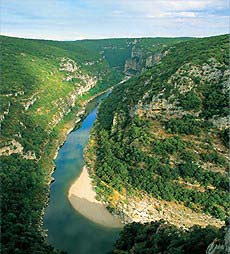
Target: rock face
12,147
74,73
65,105
186,79
80,82
28,102
221,122
132,66
5,112
139,120
147,209
154,58
135,64
68,65
140,60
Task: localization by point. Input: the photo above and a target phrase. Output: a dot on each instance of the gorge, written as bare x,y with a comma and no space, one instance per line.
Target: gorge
62,221
157,154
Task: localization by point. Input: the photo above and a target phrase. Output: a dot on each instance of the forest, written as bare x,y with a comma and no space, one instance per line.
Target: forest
158,133
41,83
162,237
32,85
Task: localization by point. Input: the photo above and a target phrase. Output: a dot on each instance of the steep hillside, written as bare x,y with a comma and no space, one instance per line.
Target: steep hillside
162,237
159,148
130,56
44,87
150,130
148,51
114,51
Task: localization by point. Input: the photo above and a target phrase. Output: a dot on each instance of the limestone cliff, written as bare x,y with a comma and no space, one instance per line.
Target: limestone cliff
142,57
159,150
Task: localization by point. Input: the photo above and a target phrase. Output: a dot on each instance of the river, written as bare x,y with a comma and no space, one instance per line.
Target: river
67,229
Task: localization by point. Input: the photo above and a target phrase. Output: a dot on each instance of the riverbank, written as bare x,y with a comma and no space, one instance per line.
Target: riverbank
82,197
65,127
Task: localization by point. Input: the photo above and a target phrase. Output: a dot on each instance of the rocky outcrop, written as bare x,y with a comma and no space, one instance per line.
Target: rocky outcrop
132,66
18,93
90,82
136,61
140,60
83,83
153,59
185,79
190,75
65,104
29,101
146,209
73,72
29,155
68,65
89,63
14,147
5,112
11,147
221,122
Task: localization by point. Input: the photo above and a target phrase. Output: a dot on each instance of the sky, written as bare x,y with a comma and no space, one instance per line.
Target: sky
94,19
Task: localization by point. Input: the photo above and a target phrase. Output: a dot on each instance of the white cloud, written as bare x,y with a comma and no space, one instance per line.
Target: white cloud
191,5
161,8
188,14
69,19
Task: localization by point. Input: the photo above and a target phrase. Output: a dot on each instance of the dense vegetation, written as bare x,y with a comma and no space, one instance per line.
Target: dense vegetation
161,237
157,132
31,75
35,97
44,84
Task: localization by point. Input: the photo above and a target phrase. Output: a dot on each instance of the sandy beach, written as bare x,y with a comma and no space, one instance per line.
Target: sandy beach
82,197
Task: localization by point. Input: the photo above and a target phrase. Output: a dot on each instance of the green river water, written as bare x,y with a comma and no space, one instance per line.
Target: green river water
67,229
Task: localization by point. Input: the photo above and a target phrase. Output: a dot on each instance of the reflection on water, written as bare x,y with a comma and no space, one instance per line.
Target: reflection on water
67,229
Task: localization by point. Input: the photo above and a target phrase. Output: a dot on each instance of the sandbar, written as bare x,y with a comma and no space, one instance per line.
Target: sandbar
83,199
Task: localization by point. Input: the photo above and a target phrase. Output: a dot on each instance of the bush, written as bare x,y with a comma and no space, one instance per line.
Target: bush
185,125
190,101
